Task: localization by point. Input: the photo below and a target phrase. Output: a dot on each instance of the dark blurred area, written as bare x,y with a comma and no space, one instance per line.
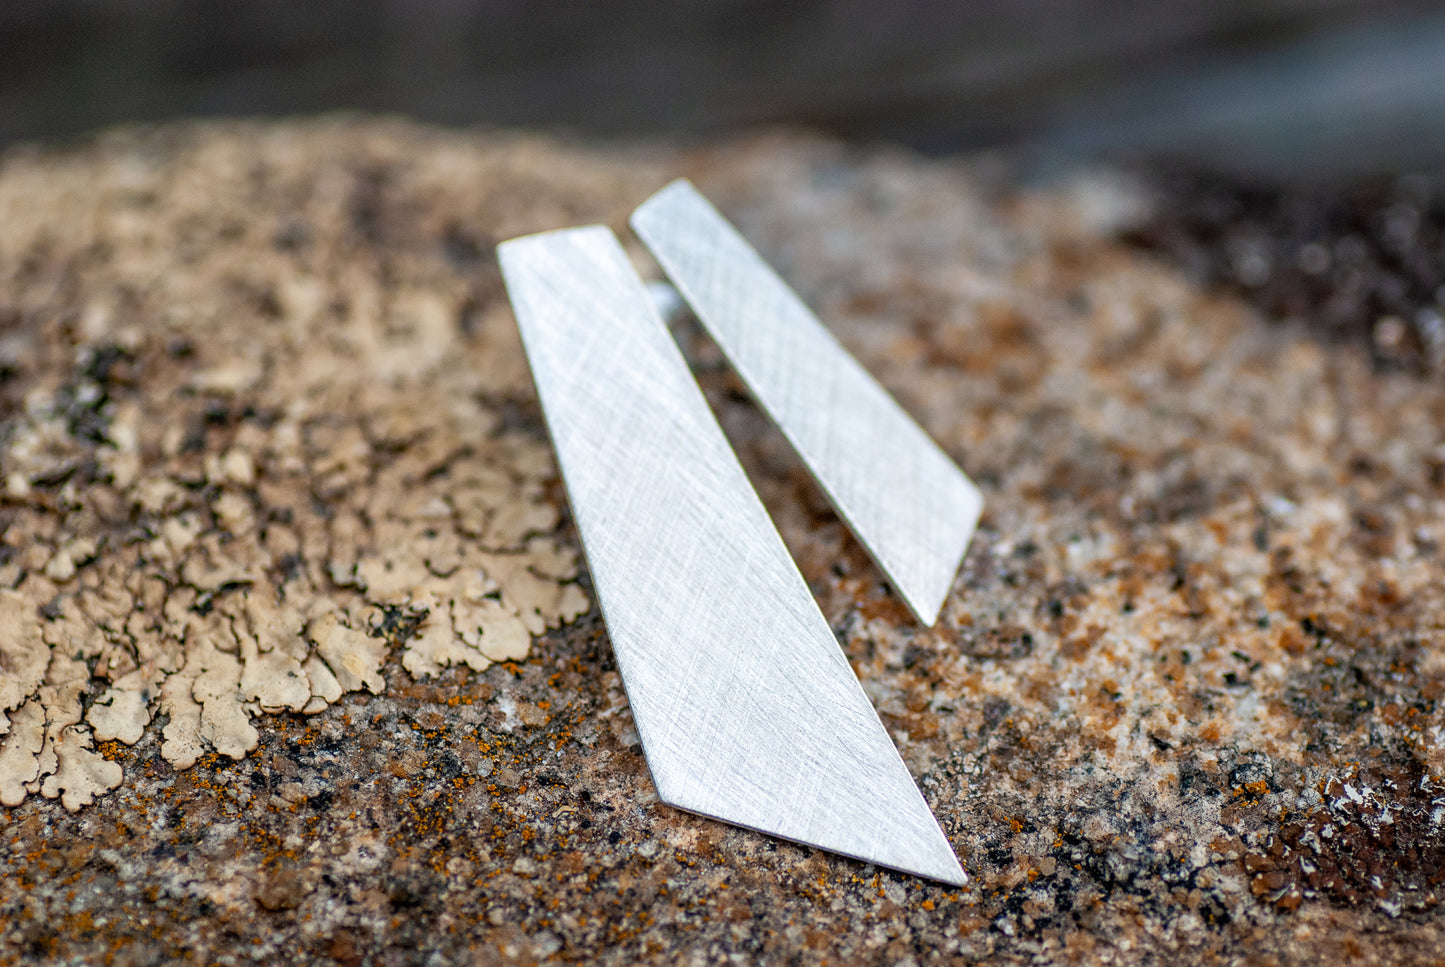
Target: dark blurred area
1291,88
1362,262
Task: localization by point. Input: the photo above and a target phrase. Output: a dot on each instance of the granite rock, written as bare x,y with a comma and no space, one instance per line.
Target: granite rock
1183,702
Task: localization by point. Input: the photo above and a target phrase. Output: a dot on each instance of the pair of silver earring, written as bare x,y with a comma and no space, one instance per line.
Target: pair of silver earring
746,707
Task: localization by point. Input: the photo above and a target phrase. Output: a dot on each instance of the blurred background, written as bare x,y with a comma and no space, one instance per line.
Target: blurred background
1294,149
1287,88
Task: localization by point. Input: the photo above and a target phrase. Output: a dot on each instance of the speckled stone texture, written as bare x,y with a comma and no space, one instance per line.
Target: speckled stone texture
1182,706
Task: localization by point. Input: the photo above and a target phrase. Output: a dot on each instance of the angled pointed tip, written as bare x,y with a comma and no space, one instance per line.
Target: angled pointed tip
932,857
925,603
925,593
944,867
904,837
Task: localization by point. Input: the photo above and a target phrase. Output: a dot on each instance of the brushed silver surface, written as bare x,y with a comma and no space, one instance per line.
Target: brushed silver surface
747,709
902,496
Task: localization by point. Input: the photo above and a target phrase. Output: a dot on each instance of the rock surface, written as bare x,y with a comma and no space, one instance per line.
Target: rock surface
263,404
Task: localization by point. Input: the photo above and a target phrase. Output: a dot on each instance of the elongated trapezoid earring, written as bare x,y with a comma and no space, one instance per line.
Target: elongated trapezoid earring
904,499
746,707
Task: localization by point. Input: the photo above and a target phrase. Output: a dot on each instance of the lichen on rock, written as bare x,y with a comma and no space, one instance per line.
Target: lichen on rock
254,440
23,655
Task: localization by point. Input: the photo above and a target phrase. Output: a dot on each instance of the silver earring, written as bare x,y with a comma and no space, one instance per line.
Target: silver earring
747,710
903,498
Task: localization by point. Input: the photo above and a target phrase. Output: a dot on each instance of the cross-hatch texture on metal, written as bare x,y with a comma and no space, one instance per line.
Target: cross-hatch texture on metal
902,496
747,709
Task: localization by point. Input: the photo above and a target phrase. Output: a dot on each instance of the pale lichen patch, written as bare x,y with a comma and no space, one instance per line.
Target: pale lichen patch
437,643
499,634
183,744
19,765
65,680
228,467
273,680
124,710
325,689
23,655
224,723
540,602
47,751
354,657
81,773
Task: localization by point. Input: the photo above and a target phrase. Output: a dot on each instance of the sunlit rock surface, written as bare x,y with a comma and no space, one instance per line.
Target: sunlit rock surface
298,662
